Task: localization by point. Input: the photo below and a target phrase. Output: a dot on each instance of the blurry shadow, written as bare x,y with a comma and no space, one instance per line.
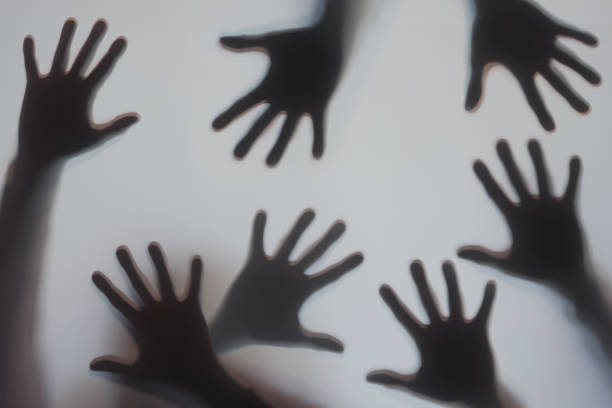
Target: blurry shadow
263,303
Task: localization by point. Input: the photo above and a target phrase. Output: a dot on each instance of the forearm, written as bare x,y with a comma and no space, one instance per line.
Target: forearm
24,211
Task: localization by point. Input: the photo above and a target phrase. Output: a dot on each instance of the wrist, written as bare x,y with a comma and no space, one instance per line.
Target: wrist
24,167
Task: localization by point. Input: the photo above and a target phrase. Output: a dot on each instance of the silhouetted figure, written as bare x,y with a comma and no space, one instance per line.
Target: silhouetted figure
304,70
547,240
456,359
518,35
263,303
54,126
172,337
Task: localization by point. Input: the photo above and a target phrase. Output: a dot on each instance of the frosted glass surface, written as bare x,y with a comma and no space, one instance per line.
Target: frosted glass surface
397,169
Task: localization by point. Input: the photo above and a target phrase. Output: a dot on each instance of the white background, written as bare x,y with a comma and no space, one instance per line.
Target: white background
397,169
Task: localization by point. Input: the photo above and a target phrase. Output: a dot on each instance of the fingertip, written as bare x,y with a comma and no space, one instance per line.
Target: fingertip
272,160
119,44
260,217
533,145
339,228
575,163
355,260
502,147
417,269
154,248
386,292
28,43
99,279
122,251
548,123
490,290
218,124
337,347
461,252
225,40
491,286
308,214
197,264
100,25
479,167
448,269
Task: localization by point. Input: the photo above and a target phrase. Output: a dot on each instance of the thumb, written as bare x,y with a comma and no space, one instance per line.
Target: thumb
323,341
474,92
391,378
118,125
482,255
245,42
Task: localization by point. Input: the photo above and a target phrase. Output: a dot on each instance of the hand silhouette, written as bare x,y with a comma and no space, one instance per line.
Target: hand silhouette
55,119
515,33
263,303
303,73
456,359
546,236
171,333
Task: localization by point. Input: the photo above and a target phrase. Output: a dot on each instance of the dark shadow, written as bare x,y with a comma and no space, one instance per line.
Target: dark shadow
524,39
457,362
548,244
305,67
263,303
54,126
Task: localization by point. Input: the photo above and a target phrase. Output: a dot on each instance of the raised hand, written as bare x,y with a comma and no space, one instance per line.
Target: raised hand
456,358
171,333
518,35
547,240
55,118
304,71
263,303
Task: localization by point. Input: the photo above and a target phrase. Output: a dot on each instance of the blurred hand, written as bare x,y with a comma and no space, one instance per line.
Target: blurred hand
456,359
516,34
55,116
263,303
546,236
171,333
304,71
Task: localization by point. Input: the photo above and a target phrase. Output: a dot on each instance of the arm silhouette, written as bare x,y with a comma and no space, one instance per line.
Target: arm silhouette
54,126
547,240
263,303
456,359
518,35
172,337
304,70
